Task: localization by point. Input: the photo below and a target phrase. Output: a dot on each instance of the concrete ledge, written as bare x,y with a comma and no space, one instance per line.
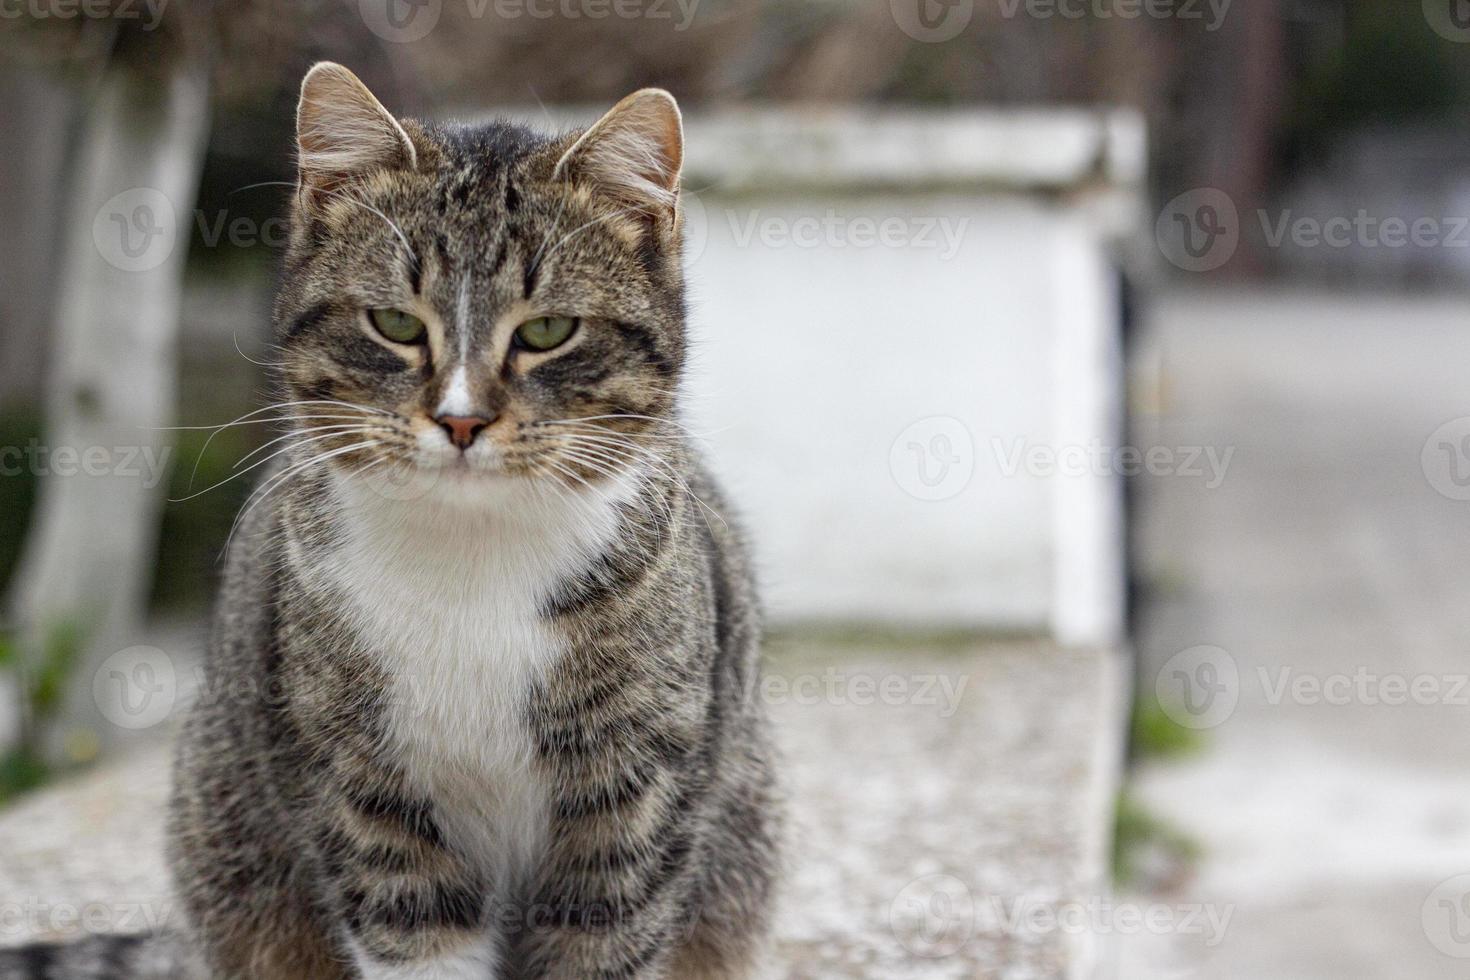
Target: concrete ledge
940,793
802,148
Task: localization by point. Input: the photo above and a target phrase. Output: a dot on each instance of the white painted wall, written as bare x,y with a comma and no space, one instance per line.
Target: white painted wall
811,361
829,358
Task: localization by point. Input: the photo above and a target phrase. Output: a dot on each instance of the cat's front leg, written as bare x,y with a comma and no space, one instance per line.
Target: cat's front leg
479,961
410,908
597,942
614,898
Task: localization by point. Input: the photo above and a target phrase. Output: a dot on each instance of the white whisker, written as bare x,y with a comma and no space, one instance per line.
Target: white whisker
289,472
294,433
255,465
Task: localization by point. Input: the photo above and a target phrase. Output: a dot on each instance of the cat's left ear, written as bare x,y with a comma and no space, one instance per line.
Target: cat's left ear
633,154
343,132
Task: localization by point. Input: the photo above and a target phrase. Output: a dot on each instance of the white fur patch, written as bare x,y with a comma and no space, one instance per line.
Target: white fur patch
457,399
446,590
474,963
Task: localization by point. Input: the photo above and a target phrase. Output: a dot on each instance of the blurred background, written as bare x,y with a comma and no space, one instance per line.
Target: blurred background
1120,428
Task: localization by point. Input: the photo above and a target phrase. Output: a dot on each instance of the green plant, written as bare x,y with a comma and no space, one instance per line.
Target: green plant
1147,848
41,688
1155,735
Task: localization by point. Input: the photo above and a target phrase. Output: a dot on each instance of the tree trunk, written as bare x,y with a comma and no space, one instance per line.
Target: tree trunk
88,559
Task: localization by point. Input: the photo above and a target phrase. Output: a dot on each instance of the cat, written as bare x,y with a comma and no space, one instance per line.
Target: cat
495,714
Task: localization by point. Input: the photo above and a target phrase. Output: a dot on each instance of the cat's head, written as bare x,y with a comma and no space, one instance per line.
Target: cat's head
481,299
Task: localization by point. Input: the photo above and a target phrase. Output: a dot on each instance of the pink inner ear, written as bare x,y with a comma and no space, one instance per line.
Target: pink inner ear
343,131
633,154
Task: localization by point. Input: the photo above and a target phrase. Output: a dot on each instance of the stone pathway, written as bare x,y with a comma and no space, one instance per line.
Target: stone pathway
946,802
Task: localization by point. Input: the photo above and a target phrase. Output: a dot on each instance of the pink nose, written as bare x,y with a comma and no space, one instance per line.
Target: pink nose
462,429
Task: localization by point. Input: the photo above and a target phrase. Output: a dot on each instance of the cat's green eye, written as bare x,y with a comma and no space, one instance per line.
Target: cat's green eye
397,326
545,332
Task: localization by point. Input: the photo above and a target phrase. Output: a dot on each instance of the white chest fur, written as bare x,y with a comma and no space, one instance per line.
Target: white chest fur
446,591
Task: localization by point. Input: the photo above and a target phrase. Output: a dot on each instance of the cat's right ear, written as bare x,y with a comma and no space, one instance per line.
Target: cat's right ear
343,133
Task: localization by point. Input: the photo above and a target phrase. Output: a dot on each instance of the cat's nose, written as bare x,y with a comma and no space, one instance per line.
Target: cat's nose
462,429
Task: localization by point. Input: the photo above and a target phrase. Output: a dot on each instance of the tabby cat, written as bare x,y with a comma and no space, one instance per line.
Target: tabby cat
496,718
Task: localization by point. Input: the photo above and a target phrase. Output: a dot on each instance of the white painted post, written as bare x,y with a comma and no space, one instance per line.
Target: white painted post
89,554
1087,507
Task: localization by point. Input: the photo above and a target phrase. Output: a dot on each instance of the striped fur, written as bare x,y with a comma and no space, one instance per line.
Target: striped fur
498,721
